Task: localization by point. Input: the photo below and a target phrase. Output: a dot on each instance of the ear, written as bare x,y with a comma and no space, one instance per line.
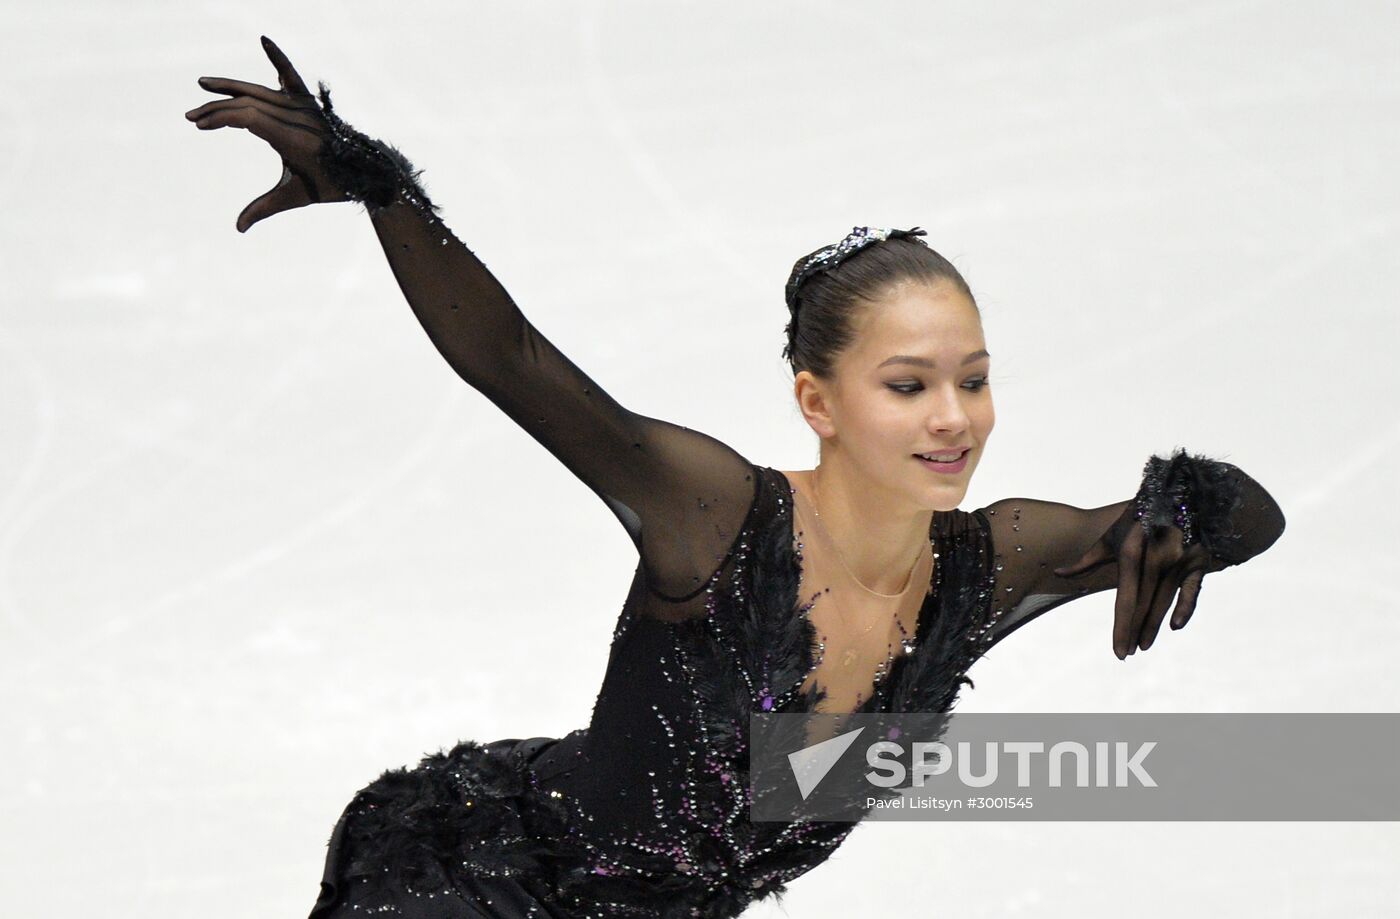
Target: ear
813,397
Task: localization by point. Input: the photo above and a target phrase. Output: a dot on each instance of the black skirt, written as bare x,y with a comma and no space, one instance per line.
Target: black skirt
467,834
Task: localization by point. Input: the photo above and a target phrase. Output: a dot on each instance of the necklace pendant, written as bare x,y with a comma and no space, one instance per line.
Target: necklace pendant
848,658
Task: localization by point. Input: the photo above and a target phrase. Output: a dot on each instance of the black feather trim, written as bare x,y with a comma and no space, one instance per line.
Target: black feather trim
458,815
751,652
1194,493
366,169
957,631
754,651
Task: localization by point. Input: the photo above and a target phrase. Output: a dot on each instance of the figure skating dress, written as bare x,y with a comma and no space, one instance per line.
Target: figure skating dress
644,813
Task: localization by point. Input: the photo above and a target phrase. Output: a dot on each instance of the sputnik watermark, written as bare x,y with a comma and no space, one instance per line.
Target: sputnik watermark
1125,764
1177,766
1106,764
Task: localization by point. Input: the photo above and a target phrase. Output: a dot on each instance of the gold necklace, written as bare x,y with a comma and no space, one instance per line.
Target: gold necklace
816,509
849,657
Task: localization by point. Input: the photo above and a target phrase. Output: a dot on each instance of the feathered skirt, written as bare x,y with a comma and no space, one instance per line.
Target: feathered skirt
467,834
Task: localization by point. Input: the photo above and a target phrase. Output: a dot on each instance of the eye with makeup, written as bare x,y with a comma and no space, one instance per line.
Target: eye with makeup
909,389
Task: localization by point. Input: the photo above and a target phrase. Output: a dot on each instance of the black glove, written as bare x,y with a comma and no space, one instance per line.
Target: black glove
1196,495
323,158
1191,516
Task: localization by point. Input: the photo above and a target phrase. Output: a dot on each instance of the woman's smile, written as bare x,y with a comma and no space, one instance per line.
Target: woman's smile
953,466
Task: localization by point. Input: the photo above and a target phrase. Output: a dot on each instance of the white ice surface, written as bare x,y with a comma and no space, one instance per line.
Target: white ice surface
258,542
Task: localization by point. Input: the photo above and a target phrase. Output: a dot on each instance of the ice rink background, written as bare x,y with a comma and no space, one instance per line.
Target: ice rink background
259,543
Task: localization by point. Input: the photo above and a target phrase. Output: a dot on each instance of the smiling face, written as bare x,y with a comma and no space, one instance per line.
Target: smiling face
913,380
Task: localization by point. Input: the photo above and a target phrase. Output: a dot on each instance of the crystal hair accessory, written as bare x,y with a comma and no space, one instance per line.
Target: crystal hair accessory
829,258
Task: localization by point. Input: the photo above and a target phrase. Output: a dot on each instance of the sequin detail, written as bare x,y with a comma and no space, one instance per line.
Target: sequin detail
692,850
1193,493
368,170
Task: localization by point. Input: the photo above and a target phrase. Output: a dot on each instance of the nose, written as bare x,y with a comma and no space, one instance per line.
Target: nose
947,417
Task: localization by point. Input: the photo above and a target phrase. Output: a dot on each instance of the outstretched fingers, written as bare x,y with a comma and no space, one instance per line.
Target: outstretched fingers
1142,603
1161,601
1186,602
1126,601
286,73
231,87
291,140
284,196
293,93
1160,576
290,117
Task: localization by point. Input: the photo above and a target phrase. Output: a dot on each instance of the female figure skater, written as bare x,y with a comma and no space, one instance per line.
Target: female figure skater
857,586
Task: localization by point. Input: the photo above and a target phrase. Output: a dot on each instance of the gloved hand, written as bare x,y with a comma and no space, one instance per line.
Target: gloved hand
1192,515
323,158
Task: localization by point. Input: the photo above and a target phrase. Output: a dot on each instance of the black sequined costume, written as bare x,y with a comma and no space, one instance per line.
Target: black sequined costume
644,812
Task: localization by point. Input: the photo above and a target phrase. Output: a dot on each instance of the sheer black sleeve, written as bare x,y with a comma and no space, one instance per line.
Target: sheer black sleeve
1236,519
681,494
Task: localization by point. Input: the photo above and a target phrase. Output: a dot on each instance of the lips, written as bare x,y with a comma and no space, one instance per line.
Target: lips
953,467
945,456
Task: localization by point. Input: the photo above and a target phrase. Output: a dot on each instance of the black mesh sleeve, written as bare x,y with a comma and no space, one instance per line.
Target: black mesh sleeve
1031,538
680,494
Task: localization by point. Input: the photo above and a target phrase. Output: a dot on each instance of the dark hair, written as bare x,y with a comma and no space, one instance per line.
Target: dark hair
827,301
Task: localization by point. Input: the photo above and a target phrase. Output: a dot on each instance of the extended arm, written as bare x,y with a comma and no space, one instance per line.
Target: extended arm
681,494
1050,553
662,480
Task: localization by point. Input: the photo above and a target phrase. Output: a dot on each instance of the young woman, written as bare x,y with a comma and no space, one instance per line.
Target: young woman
857,586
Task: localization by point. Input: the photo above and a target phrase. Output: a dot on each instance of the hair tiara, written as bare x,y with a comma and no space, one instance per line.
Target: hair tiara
829,258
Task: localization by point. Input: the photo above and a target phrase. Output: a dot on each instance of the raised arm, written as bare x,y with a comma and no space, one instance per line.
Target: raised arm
1147,547
680,494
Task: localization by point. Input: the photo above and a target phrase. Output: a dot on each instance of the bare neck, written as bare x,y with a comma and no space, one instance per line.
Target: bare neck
878,538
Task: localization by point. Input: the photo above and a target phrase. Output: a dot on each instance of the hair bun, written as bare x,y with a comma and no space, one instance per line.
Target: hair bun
828,258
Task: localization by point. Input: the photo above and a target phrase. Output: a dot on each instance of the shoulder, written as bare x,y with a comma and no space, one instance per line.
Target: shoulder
958,526
772,494
963,541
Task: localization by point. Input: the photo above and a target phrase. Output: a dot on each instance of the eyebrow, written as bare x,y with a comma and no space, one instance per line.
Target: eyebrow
925,362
